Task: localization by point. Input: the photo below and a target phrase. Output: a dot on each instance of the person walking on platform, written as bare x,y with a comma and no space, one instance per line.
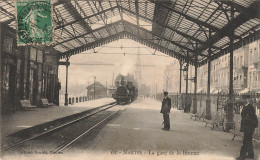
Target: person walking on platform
249,122
165,110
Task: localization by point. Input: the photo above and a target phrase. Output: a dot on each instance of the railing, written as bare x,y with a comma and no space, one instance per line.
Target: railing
73,100
218,102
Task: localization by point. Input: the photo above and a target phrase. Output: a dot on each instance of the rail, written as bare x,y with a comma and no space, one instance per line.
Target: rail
57,128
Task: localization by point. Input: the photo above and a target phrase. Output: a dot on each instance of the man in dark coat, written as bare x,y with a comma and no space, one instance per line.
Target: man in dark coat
249,122
165,110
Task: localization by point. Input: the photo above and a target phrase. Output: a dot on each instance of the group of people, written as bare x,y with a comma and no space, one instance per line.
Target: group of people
249,122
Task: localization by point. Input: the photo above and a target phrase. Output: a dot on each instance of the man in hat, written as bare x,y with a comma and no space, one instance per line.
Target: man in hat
165,110
249,122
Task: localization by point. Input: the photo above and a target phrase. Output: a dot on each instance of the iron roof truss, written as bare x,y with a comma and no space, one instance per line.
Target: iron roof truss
177,28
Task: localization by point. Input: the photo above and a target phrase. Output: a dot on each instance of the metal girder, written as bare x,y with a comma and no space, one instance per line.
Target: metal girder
177,44
4,10
130,24
232,25
238,7
245,41
137,16
73,11
164,26
122,34
82,19
82,35
188,17
92,44
65,28
113,14
105,22
120,12
175,30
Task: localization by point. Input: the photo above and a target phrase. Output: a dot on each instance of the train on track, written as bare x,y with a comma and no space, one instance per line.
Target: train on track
126,92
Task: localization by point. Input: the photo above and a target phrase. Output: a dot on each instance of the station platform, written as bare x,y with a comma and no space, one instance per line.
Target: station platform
137,134
12,123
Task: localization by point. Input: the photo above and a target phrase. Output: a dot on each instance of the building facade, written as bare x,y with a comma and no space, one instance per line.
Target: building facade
97,89
27,72
246,71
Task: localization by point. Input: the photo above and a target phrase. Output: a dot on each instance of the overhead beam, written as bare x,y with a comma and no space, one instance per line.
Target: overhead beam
232,25
95,30
175,30
198,22
157,46
147,31
245,41
133,25
237,7
93,44
175,43
82,19
119,36
137,16
73,11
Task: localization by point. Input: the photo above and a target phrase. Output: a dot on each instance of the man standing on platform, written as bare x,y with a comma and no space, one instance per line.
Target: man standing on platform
249,122
165,110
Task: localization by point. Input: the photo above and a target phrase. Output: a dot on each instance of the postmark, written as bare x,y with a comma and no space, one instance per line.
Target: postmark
34,22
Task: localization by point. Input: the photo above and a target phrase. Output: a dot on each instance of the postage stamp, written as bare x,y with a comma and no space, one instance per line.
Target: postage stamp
34,22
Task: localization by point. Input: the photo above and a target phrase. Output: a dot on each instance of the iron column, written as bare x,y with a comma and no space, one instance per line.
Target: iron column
208,100
66,88
230,124
195,88
186,94
180,80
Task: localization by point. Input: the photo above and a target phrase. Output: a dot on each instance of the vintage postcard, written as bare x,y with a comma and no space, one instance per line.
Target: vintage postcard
130,79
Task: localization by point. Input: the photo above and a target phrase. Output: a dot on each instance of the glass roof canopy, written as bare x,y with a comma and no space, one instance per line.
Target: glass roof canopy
179,28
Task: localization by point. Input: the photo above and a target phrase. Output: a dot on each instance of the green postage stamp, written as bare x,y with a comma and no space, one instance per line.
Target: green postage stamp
34,22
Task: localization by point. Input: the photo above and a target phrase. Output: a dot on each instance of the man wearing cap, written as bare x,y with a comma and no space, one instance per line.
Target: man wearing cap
165,110
249,122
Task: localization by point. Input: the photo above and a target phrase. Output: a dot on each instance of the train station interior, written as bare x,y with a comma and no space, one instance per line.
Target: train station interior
215,45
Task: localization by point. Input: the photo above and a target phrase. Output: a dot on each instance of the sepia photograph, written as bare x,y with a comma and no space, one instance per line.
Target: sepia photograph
130,79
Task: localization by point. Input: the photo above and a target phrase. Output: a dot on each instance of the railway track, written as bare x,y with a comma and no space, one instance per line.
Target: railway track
61,137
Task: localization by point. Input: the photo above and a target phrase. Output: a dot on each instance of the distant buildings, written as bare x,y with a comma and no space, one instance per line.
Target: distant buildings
246,71
97,89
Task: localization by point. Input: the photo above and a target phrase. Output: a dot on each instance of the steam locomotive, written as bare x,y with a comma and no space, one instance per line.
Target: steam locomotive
126,92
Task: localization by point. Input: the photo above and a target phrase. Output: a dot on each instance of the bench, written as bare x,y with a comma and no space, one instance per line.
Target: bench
198,115
241,134
45,103
214,124
26,104
217,121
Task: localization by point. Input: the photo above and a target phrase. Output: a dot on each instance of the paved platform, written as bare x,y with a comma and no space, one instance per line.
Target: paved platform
137,134
11,123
